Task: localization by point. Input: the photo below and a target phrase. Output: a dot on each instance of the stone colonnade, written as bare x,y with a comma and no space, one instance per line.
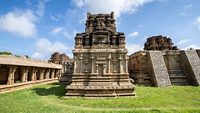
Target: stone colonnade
27,74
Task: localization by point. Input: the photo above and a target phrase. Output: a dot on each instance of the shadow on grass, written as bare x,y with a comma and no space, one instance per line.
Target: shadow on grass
56,89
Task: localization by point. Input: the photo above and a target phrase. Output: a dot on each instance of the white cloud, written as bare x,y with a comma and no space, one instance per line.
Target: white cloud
133,34
193,46
40,8
184,42
44,48
79,3
55,18
57,30
118,6
69,35
197,22
19,22
183,14
133,48
187,6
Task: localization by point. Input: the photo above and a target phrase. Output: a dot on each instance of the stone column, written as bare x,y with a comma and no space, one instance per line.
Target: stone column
41,74
126,60
11,75
75,65
33,74
52,73
47,74
24,74
109,58
97,69
120,65
92,62
81,64
57,73
104,69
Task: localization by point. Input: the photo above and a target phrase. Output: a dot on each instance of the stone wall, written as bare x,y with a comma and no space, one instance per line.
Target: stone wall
182,67
157,69
191,62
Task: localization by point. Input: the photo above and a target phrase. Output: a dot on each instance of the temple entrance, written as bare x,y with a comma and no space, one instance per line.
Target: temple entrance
100,70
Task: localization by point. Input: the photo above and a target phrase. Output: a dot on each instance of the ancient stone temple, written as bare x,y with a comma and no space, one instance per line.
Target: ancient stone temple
159,43
58,58
100,60
161,64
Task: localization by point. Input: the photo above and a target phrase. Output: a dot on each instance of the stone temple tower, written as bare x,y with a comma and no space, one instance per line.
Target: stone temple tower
100,60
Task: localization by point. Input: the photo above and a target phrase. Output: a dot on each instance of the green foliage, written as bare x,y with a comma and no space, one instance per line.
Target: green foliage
50,99
5,53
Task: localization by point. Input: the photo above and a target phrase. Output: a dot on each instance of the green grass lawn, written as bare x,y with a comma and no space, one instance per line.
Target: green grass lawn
49,99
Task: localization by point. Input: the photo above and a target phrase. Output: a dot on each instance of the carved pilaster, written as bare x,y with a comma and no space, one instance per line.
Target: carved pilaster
126,60
75,65
92,62
109,58
81,64
120,65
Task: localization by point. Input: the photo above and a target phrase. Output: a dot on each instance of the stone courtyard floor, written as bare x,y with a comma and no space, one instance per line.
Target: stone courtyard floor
49,98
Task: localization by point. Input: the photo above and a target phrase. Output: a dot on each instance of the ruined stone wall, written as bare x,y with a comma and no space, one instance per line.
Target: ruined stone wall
182,67
139,68
191,62
174,64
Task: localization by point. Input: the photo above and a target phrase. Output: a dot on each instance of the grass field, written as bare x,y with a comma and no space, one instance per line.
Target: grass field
49,99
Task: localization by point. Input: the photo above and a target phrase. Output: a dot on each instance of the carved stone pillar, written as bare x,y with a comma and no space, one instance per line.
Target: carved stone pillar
57,73
33,74
120,65
97,69
75,65
81,63
109,58
47,73
24,74
41,74
52,73
92,62
104,69
11,75
126,60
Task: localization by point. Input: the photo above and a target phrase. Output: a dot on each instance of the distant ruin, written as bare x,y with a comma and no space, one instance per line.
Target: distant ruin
58,58
159,43
100,60
162,64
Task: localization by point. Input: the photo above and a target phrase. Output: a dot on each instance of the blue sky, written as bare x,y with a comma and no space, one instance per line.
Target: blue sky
38,28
